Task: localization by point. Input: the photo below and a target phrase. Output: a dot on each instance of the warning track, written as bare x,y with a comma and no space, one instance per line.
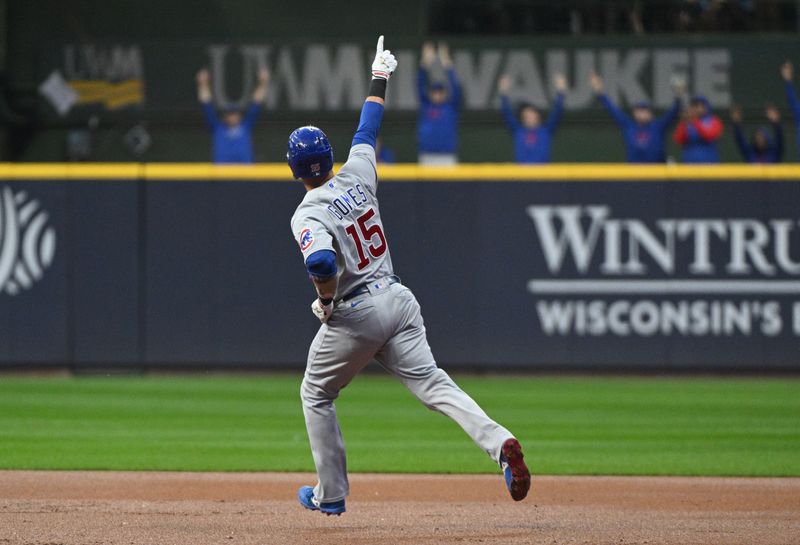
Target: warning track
131,508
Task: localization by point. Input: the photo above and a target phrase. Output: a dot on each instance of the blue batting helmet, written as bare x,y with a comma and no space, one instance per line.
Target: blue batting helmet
309,153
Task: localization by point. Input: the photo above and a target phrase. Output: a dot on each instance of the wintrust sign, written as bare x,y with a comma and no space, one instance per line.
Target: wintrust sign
752,246
688,276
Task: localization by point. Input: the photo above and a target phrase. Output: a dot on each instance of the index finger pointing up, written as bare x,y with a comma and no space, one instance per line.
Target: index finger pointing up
379,48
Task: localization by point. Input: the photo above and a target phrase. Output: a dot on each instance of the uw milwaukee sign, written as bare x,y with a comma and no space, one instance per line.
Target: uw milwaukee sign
111,77
333,77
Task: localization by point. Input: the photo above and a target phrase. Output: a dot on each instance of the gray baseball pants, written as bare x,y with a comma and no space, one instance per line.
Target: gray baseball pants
385,324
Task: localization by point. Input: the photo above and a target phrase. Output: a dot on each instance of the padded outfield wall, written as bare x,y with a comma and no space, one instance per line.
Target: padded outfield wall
560,267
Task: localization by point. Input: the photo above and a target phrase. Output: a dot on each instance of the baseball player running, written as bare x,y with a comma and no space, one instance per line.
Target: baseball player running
365,311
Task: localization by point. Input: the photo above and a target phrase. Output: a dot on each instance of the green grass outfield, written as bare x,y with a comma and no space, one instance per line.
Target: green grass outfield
624,426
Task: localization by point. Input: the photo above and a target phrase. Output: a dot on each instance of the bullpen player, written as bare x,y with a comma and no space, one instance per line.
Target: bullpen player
532,139
232,136
699,132
644,134
787,72
763,147
440,103
365,311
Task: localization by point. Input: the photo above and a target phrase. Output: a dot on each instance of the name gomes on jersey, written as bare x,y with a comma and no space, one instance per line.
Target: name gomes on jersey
367,236
347,202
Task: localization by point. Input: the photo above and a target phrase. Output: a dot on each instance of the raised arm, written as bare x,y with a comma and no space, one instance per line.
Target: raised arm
616,114
203,86
370,122
372,111
321,265
508,114
260,92
503,86
257,100
452,78
791,98
774,117
787,72
211,115
427,58
251,115
555,114
670,115
204,97
560,84
422,86
455,87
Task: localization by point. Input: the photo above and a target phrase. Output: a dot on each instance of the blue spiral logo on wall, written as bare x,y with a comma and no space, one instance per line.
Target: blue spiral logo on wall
27,242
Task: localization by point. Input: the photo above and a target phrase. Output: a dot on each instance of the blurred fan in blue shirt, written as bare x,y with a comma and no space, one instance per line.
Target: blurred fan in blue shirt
232,132
439,107
763,147
787,72
532,138
643,133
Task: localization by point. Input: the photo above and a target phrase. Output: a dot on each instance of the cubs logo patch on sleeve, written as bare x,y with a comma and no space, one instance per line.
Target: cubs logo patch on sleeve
306,239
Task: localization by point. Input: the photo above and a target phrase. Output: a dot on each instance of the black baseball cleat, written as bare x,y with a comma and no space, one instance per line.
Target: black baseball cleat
518,478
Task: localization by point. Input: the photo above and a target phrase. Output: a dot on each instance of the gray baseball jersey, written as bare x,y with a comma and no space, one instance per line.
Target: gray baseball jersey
384,324
343,215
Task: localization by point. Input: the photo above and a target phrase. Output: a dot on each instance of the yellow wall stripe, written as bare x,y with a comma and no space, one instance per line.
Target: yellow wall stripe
67,171
401,172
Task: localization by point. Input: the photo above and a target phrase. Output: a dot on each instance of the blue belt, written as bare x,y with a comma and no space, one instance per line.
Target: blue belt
364,288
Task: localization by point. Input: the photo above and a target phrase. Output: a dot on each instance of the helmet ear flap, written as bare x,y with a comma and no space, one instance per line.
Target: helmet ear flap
309,153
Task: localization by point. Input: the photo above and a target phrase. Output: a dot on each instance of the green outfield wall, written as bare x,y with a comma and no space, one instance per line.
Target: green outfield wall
142,73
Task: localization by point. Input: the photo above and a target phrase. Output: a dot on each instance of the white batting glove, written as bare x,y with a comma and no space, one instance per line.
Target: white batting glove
323,312
384,63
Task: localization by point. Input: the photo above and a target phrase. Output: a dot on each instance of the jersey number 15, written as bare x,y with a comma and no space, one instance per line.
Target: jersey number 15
368,233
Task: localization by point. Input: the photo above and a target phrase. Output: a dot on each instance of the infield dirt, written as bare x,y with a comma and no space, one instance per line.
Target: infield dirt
131,508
